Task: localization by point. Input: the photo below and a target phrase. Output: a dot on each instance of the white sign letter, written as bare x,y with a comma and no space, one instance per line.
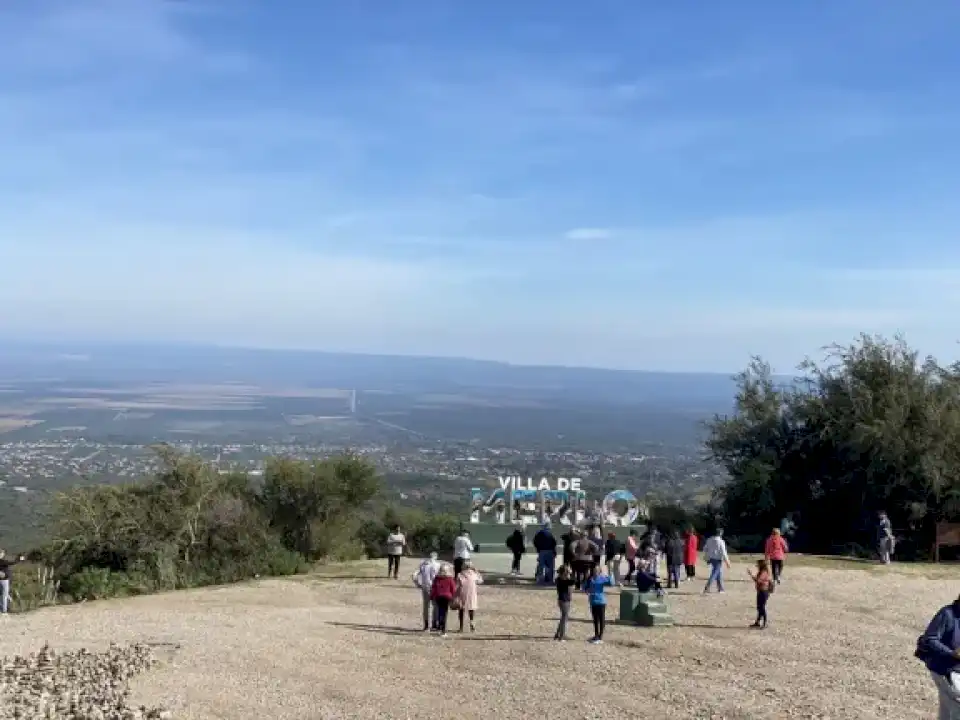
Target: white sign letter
544,484
575,484
563,484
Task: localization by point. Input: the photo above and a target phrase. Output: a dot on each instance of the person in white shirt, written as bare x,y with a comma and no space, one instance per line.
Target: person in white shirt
462,551
396,543
423,579
715,553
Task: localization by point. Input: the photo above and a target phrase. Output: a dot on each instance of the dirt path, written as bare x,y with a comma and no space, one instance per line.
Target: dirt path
840,646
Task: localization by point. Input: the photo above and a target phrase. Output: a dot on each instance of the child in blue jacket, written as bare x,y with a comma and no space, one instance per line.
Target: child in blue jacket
595,587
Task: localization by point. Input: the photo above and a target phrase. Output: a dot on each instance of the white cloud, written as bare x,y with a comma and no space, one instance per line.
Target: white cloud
588,233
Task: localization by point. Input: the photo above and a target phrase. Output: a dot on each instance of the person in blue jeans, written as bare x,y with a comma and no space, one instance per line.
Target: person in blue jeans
595,587
715,553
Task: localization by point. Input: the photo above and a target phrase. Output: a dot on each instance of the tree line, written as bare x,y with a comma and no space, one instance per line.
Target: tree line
193,525
873,427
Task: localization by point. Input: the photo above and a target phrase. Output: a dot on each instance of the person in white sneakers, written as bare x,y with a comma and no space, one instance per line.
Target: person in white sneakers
715,553
462,551
423,579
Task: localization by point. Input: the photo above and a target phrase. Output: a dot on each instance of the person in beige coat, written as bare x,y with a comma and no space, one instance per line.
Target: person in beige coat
467,582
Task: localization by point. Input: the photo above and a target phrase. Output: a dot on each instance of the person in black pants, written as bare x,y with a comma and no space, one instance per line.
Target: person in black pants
564,583
763,581
517,544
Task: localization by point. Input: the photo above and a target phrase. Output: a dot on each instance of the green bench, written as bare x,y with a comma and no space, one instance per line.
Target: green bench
644,609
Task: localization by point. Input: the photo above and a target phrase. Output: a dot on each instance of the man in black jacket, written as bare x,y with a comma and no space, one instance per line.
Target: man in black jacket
939,649
546,546
517,544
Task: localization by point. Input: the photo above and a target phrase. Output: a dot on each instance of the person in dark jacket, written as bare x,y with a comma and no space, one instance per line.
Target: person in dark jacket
673,552
546,546
517,544
568,539
939,649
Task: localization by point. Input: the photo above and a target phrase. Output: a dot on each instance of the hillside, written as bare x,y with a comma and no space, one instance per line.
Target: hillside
839,647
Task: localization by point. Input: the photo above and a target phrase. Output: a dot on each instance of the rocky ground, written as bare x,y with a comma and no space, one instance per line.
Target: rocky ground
839,646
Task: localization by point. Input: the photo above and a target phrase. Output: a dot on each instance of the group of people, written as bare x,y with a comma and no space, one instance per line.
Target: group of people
444,588
590,563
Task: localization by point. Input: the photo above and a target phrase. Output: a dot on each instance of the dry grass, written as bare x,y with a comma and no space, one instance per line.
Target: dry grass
326,646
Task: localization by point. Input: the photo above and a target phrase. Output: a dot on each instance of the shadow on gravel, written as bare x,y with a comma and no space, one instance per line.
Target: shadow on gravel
380,629
396,630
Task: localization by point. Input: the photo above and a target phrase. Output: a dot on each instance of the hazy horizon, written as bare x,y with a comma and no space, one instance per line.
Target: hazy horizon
620,185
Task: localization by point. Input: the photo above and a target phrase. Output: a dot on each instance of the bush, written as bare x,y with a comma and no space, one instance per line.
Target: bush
193,526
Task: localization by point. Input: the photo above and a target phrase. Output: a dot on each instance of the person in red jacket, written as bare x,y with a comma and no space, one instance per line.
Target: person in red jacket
775,551
442,592
690,548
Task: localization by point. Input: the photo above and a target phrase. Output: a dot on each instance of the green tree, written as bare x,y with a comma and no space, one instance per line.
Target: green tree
317,507
874,427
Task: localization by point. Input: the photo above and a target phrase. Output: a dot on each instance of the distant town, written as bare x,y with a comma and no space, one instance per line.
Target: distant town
35,465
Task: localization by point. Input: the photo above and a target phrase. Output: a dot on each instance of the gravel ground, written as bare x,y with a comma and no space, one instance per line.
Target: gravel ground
839,646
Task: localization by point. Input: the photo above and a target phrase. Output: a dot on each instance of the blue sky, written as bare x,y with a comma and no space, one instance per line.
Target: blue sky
622,184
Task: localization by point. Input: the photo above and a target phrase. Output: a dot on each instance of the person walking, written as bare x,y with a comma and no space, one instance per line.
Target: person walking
715,553
462,551
423,578
690,550
763,581
467,582
673,552
564,583
939,649
595,586
396,544
775,550
5,578
517,544
546,546
630,552
612,552
443,591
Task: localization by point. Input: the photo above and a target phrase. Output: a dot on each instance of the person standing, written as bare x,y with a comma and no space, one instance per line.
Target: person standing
775,550
546,546
423,578
885,541
5,578
673,552
596,537
595,586
764,584
564,583
517,544
691,548
612,552
442,592
396,544
939,649
582,559
462,551
715,553
630,552
568,539
467,582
